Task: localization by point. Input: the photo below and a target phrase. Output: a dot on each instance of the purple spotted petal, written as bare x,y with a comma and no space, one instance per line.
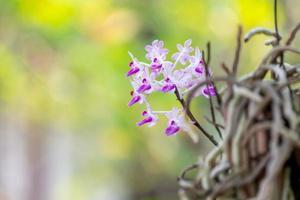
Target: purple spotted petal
145,121
134,100
171,130
132,71
143,88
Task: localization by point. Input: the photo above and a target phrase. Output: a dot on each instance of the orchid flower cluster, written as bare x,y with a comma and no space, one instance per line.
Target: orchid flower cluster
182,72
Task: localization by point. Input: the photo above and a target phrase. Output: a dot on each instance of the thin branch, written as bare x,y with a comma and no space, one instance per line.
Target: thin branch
208,53
219,99
181,100
289,82
261,71
237,52
191,95
193,119
186,170
259,30
276,22
281,55
208,80
274,52
272,42
214,123
207,61
293,34
212,110
225,68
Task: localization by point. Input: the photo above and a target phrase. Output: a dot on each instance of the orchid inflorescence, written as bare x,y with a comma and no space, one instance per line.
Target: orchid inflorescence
181,74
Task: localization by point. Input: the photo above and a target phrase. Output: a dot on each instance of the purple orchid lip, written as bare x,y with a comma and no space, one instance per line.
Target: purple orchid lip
199,70
134,100
133,71
167,88
145,121
171,130
156,66
143,88
209,91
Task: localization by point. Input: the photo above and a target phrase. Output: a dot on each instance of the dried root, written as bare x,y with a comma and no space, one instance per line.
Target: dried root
258,155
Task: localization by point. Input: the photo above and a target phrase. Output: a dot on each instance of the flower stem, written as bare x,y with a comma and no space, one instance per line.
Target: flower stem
193,119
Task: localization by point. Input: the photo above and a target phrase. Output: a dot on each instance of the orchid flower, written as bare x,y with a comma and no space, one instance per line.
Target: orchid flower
156,50
162,75
168,85
197,64
176,121
209,91
149,118
135,98
133,68
184,52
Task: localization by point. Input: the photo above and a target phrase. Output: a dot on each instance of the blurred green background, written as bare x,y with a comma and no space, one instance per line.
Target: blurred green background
65,129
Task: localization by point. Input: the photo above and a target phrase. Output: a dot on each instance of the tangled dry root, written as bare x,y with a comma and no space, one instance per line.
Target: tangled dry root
259,155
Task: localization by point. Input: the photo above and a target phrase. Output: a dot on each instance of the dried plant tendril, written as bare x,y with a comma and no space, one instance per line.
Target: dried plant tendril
259,157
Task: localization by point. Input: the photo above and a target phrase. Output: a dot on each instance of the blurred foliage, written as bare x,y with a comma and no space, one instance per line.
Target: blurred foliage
63,63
